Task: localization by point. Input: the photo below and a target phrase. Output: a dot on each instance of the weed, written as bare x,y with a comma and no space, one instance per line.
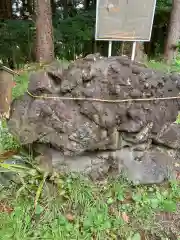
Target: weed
161,66
7,140
21,85
88,210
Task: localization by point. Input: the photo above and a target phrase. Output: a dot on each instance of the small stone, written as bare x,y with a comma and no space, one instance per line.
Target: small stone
135,93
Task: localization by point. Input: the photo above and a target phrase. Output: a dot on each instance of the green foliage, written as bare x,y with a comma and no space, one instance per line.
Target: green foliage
178,119
160,28
83,212
7,141
16,41
21,85
30,176
72,33
161,66
163,5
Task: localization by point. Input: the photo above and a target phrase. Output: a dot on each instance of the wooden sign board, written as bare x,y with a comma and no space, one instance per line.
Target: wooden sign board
124,20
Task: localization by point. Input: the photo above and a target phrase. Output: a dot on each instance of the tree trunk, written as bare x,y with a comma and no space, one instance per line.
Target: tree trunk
173,33
23,9
44,32
30,7
5,9
11,62
65,8
86,4
140,54
94,4
53,7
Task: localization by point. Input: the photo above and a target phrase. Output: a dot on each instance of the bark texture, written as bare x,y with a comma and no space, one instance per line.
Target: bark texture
44,32
5,9
173,33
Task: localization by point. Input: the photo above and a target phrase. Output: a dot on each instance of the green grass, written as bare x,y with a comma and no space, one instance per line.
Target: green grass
7,141
89,211
21,85
22,80
161,66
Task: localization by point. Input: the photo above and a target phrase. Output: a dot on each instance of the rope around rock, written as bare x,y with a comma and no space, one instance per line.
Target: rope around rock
103,100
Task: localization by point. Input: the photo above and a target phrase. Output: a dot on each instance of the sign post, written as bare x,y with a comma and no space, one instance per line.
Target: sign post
110,49
133,51
125,20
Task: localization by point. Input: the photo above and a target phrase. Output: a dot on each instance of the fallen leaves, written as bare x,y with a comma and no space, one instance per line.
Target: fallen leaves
125,217
6,155
127,199
5,208
178,176
70,217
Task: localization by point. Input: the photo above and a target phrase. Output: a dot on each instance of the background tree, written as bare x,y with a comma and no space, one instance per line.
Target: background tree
171,46
5,9
86,4
73,32
44,31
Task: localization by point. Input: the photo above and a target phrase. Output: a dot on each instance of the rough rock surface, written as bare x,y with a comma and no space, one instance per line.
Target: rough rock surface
139,139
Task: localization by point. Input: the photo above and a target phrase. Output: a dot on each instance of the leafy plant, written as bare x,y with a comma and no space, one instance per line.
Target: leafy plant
7,141
29,177
21,84
178,119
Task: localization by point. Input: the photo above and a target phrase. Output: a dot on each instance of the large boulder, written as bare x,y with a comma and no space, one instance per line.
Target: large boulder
80,130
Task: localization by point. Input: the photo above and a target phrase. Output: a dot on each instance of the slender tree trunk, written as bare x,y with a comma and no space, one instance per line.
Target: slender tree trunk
23,9
30,7
65,8
173,33
11,62
53,7
86,4
44,31
94,4
5,9
140,54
